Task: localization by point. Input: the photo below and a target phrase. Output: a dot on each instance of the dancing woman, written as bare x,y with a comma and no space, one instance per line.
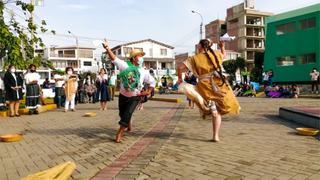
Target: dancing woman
212,85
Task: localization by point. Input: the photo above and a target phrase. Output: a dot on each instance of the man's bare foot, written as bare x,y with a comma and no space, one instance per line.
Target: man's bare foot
119,135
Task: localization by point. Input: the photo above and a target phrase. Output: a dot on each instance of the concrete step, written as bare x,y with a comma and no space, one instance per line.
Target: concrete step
306,115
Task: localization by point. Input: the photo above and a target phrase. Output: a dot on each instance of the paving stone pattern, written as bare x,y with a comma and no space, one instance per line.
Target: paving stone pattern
168,142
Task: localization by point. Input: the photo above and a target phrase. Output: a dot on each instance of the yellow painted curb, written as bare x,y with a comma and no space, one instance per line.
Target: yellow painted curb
173,100
260,94
41,109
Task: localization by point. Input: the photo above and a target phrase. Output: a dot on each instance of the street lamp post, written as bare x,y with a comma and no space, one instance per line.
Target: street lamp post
201,22
77,54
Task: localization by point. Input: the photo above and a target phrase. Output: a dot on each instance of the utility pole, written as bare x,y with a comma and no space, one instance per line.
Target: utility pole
77,54
201,32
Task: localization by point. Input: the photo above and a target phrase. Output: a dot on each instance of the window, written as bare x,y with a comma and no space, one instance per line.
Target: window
119,52
308,58
285,28
60,53
140,49
308,23
127,50
286,60
87,63
151,52
163,52
163,65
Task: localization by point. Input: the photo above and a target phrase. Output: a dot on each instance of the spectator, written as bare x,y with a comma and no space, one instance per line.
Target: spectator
90,90
32,79
70,89
112,85
295,91
265,78
191,79
164,81
270,77
314,81
46,84
2,99
286,92
58,89
275,92
81,93
102,88
13,86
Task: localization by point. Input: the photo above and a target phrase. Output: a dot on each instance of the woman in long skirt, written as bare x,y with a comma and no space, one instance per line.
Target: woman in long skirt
212,85
32,79
102,88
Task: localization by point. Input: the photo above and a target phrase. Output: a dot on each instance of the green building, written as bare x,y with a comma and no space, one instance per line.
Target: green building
293,44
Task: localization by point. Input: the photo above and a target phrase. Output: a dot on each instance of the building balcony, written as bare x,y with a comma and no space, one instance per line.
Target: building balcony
62,55
255,25
254,48
161,72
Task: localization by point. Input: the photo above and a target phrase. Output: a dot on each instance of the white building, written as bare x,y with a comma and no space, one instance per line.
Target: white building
62,57
159,56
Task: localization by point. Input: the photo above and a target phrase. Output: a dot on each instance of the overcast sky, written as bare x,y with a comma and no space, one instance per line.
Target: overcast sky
167,21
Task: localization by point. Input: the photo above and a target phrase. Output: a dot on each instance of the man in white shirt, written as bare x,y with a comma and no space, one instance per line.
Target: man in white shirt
314,80
112,85
58,89
132,79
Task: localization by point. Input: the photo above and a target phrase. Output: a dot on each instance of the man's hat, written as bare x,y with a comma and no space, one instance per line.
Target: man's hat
136,52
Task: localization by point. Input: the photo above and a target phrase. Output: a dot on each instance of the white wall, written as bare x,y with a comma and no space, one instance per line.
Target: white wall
93,68
156,49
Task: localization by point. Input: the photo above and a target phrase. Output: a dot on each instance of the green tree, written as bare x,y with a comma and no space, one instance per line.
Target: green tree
240,63
231,66
18,41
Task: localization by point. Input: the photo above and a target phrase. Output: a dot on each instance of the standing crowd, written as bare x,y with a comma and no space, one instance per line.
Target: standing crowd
68,88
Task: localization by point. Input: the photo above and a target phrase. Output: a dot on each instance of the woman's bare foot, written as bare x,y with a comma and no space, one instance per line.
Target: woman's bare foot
216,139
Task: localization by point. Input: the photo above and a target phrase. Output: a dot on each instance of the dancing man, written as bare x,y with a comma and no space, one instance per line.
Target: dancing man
132,78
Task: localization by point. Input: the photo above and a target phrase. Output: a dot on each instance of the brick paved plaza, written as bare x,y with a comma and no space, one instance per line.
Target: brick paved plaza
168,141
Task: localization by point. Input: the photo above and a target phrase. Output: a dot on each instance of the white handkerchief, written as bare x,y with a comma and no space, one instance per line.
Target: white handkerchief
227,38
97,42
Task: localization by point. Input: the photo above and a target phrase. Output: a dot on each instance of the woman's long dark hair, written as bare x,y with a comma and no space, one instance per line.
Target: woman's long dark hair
206,45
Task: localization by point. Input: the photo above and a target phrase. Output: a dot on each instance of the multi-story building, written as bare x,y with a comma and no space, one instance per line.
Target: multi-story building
81,58
247,24
158,56
180,58
215,29
293,44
